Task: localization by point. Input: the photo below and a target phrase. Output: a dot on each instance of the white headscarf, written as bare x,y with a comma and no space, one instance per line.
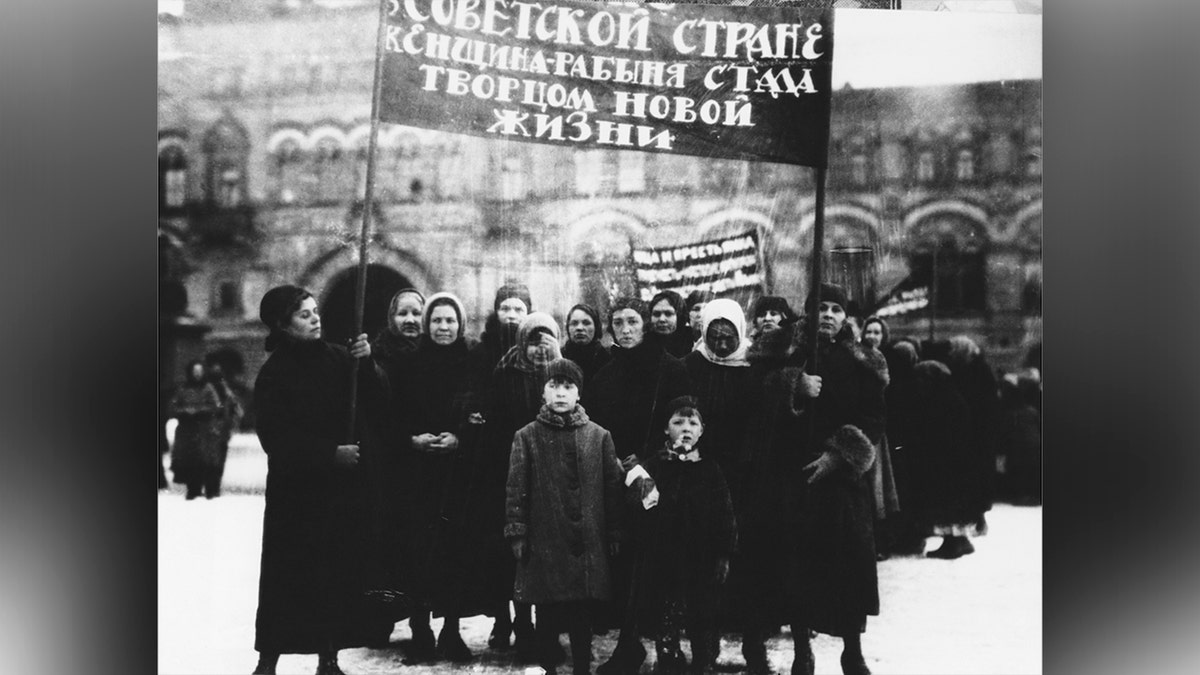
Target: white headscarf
724,308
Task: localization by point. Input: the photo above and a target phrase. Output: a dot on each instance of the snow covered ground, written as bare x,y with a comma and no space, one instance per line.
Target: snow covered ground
979,614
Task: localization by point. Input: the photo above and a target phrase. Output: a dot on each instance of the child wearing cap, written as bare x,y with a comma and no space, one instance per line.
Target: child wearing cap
689,534
563,515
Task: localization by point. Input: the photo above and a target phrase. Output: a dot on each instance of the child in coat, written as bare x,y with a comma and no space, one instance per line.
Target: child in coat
564,498
688,532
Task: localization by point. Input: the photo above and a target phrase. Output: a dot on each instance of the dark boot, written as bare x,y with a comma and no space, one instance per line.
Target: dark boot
803,662
450,645
422,648
952,548
266,664
853,662
193,490
502,631
704,656
626,658
581,649
669,658
754,650
327,664
525,643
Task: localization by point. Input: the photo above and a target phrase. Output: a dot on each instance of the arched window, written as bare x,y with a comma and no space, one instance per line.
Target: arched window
331,170
172,174
1000,153
858,169
226,148
589,171
926,168
964,166
631,171
947,255
287,168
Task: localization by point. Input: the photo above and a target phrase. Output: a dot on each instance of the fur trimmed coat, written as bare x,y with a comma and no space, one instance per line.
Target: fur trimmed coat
564,499
832,584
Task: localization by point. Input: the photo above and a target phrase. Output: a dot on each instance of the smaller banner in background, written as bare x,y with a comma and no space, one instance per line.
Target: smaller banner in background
722,266
714,81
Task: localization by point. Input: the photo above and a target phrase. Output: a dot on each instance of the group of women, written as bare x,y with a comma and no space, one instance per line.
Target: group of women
405,488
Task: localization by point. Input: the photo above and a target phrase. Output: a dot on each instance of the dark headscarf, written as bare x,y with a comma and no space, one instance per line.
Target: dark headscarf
629,302
590,311
276,307
827,293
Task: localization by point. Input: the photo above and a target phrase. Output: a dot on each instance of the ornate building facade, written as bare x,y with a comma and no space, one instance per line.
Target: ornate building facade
263,117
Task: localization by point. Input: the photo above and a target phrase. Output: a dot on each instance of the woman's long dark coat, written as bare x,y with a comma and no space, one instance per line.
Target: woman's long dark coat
723,394
590,358
944,476
321,522
833,584
437,487
198,452
629,395
768,459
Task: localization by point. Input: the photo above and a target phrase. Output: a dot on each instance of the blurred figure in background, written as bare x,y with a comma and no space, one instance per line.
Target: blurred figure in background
695,302
231,416
1019,436
197,460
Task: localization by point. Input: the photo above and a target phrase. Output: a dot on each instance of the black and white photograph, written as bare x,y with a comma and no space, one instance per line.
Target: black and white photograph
568,336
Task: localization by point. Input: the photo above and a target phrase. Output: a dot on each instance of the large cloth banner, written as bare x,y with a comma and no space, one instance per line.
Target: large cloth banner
722,266
713,81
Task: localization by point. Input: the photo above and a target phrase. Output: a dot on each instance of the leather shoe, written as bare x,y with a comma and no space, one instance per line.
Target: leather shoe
854,664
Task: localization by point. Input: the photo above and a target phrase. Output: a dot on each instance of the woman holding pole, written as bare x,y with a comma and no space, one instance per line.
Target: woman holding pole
320,524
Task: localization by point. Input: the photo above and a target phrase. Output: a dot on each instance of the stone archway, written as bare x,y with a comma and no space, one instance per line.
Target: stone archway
337,304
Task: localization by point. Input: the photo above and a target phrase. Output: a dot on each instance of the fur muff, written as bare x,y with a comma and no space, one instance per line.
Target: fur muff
853,446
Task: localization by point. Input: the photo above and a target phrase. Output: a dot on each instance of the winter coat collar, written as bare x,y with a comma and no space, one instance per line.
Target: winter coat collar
679,453
576,418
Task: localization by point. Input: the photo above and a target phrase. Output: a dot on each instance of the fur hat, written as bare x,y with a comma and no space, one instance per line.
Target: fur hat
516,290
567,370
827,293
775,303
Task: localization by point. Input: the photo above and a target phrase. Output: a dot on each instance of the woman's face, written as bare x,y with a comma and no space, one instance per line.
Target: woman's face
768,320
721,337
197,372
663,317
694,313
407,317
873,334
627,328
512,310
305,323
580,327
443,325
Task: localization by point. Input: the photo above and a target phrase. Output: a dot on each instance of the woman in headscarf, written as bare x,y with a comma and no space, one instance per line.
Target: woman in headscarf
320,525
719,374
584,346
973,378
196,458
517,384
433,396
669,324
401,334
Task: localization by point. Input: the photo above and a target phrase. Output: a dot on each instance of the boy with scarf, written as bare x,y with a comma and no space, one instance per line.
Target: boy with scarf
688,533
563,516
